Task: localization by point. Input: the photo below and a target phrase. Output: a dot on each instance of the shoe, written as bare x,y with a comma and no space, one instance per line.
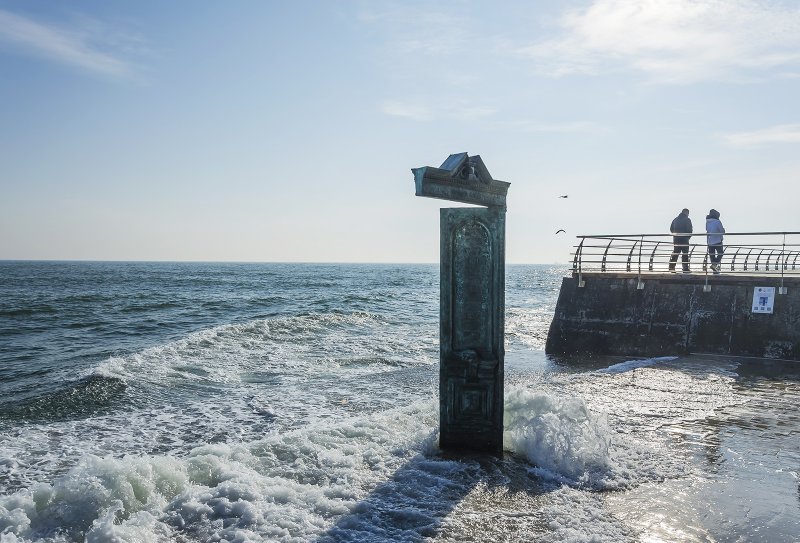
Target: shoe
687,271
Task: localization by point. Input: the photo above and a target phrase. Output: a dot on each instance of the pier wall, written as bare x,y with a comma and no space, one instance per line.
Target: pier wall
672,314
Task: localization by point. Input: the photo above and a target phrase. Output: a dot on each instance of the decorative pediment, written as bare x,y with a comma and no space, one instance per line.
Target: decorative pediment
467,167
461,178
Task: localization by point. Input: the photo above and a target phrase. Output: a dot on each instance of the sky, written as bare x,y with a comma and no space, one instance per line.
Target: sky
285,131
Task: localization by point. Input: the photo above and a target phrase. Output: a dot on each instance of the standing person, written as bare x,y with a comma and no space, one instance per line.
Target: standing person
681,226
714,231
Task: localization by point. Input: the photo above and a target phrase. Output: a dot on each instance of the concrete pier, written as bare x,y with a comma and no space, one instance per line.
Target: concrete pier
670,314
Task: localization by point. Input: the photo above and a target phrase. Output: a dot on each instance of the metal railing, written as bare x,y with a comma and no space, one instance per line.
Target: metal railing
745,253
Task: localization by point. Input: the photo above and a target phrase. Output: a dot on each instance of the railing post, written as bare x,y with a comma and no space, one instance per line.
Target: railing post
605,254
639,283
733,260
630,256
759,257
782,289
653,255
706,286
579,259
691,253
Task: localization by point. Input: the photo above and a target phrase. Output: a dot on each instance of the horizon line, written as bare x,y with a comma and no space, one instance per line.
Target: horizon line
143,261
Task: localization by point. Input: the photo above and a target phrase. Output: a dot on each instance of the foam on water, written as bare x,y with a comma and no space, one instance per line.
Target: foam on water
345,480
648,394
230,383
290,345
588,520
630,365
558,435
568,443
287,487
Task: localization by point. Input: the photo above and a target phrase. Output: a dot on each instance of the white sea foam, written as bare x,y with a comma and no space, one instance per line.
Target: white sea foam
299,345
572,516
92,496
231,383
372,476
634,364
293,484
568,443
368,477
558,435
659,390
287,487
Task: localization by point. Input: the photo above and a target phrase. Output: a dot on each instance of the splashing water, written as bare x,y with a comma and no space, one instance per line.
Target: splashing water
560,437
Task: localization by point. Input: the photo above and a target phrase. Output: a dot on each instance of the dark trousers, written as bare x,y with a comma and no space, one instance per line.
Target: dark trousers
715,248
681,246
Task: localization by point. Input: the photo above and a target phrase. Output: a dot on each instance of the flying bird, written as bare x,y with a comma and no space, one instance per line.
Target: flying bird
564,196
561,230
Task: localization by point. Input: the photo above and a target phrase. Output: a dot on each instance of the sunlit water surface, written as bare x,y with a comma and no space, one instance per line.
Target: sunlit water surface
266,402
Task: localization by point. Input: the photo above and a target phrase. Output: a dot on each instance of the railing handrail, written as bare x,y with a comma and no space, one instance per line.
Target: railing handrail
625,253
684,234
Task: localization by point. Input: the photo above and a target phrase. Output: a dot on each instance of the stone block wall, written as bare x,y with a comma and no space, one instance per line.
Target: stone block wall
672,314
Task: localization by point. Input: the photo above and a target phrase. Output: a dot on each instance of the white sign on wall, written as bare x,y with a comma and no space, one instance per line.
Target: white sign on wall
763,299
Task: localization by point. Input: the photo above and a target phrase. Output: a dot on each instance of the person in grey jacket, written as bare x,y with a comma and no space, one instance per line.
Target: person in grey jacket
714,231
680,227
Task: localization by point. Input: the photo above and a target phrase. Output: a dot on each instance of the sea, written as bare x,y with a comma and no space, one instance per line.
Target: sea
195,402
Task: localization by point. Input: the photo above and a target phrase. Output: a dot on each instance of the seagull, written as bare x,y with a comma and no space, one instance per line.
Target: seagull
561,230
564,196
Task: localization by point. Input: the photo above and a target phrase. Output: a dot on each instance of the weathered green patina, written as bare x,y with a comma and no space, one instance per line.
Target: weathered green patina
472,302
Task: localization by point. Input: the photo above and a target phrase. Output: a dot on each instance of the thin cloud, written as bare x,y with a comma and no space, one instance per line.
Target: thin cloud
676,41
60,45
784,133
409,111
419,32
417,112
469,113
567,127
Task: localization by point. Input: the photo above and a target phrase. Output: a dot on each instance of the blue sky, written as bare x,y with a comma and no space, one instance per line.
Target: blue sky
286,131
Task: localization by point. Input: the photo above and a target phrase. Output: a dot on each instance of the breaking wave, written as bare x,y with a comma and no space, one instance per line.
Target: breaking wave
569,444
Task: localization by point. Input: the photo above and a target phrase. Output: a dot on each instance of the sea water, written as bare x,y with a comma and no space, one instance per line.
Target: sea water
299,402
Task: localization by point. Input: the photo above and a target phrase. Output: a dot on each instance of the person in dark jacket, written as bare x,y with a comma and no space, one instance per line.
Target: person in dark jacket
680,228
